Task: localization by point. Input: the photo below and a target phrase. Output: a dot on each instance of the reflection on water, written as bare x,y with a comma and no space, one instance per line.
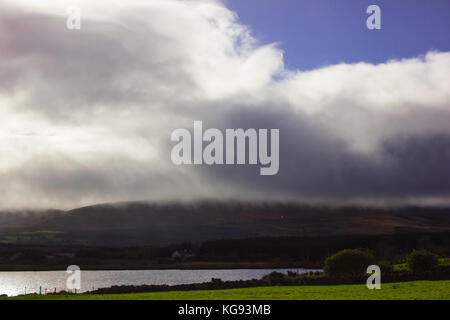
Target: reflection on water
16,283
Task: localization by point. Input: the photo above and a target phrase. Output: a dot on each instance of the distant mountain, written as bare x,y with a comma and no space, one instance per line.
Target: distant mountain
21,219
139,223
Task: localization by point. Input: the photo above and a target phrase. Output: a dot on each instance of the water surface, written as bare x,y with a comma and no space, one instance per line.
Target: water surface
19,282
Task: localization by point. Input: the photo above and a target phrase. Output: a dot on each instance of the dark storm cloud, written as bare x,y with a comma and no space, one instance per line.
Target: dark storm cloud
316,164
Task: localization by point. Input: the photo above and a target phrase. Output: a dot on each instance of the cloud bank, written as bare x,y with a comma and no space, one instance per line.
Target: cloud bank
86,115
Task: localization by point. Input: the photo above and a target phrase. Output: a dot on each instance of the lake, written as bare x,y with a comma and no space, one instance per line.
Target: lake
18,282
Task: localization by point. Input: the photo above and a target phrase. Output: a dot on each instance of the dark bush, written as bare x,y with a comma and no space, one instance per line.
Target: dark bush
351,262
385,267
421,261
292,274
274,278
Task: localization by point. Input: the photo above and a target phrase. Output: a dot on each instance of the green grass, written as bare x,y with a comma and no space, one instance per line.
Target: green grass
421,290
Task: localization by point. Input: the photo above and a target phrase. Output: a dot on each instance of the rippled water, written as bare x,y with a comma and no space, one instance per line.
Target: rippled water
16,283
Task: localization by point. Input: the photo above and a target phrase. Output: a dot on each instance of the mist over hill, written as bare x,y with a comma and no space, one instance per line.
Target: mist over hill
143,223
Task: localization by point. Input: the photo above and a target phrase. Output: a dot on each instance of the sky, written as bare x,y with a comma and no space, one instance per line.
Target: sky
87,115
328,32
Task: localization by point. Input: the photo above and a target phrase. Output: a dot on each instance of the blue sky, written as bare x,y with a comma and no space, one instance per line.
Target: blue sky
315,33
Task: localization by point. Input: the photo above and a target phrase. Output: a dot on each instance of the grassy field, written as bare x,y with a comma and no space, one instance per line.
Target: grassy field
421,290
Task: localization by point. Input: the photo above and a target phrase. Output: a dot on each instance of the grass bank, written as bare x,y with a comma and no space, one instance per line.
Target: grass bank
413,290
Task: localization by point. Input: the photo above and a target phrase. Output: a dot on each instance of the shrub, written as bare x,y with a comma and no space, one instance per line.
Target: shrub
292,274
385,266
421,261
274,278
346,262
